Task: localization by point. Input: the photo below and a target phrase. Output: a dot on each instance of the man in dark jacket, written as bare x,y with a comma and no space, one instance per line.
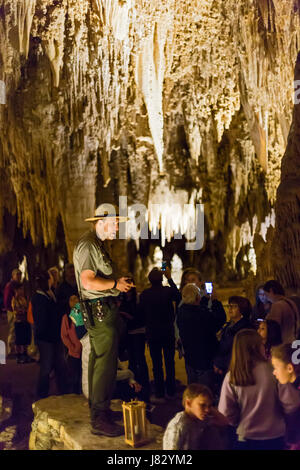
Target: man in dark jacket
66,289
198,326
156,304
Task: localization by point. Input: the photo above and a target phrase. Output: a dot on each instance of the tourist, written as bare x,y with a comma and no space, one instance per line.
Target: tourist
66,289
135,341
126,387
269,330
262,306
199,426
7,298
286,371
32,349
19,305
47,326
250,398
54,272
72,343
190,276
156,305
197,330
239,310
83,336
284,311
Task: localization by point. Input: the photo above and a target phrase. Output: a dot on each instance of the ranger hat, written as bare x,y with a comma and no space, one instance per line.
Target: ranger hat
105,211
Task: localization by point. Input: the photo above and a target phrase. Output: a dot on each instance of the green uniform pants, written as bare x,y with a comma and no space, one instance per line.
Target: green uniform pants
103,360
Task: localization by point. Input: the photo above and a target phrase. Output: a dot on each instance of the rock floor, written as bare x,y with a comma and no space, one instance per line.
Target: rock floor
63,423
17,385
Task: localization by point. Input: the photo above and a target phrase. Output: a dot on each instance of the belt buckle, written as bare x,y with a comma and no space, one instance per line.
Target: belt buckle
99,311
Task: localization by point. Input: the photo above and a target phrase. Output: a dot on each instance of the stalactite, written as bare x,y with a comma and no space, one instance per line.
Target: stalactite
198,89
25,13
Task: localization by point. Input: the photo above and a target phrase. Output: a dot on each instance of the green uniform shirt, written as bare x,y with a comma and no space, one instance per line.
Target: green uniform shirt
90,254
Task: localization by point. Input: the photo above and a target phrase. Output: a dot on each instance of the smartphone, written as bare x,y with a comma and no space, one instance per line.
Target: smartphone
163,265
209,287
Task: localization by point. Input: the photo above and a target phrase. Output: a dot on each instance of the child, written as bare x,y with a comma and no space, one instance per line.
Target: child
198,426
71,341
288,373
126,387
251,399
22,327
270,332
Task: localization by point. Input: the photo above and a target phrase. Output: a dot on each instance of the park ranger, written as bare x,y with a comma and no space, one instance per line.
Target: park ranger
98,290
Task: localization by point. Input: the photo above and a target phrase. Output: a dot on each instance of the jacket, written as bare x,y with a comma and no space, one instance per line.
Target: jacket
186,433
69,337
223,356
197,330
258,410
156,306
47,320
285,313
9,292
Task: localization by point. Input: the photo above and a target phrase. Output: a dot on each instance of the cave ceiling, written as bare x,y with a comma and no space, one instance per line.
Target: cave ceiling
173,100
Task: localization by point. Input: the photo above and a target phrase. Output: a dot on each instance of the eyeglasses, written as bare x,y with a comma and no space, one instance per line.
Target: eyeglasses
231,306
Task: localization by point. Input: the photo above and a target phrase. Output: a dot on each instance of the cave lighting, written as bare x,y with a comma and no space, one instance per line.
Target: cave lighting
176,268
23,268
172,212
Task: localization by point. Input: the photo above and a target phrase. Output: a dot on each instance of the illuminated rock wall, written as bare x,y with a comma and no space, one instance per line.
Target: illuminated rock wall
108,98
286,243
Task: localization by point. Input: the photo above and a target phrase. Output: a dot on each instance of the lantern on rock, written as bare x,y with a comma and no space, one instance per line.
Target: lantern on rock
135,423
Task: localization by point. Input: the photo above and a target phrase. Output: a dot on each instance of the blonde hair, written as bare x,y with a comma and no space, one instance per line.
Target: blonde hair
190,294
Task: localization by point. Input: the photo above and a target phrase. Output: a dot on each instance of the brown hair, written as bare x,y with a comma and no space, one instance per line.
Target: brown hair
284,353
246,353
243,303
194,390
275,286
186,273
155,276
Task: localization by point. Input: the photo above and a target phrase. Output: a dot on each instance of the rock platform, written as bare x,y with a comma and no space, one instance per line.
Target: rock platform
5,409
63,423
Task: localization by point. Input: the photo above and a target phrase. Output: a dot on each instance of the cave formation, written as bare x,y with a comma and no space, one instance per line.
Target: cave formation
174,101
